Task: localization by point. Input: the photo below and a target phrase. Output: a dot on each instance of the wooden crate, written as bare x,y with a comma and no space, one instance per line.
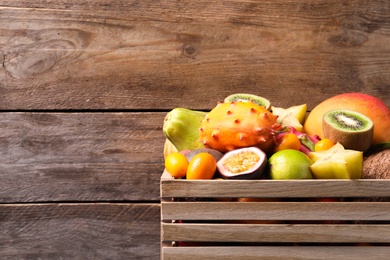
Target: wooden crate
303,219
85,86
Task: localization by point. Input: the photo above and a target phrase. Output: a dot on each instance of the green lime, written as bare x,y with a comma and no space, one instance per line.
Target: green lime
290,164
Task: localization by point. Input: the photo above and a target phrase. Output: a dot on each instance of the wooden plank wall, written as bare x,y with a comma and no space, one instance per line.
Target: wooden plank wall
85,85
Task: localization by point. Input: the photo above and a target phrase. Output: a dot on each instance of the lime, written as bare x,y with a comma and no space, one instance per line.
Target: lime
290,164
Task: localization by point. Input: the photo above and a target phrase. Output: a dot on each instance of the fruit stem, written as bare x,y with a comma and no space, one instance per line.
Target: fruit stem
307,142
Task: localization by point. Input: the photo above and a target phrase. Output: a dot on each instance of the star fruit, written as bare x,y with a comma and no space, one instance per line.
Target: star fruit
337,163
293,116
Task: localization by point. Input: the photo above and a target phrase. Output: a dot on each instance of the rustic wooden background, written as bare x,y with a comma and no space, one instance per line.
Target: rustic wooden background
85,85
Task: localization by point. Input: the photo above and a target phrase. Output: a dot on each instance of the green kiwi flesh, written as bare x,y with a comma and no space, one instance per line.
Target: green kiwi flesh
350,128
249,97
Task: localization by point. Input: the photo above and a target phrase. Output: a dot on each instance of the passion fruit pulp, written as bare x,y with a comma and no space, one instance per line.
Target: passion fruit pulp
243,163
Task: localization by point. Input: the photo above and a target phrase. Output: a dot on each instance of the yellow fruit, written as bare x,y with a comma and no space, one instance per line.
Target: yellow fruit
176,164
293,116
323,145
201,166
290,164
337,163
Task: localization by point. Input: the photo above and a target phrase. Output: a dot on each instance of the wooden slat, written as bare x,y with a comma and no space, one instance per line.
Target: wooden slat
276,252
275,211
80,156
280,233
111,54
274,188
79,231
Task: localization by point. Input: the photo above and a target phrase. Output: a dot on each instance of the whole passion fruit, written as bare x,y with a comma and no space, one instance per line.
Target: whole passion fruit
191,153
243,163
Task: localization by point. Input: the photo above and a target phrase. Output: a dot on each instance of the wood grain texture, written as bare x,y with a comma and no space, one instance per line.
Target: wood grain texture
281,233
275,211
80,156
279,252
158,55
272,188
79,231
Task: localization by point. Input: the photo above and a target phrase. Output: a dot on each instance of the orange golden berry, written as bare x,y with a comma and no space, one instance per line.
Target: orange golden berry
323,144
201,166
288,141
176,164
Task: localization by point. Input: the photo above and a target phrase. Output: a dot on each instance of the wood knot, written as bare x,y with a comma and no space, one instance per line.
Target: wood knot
42,50
190,51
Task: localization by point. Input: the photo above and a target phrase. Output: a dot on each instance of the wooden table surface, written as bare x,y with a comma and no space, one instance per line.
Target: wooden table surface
85,85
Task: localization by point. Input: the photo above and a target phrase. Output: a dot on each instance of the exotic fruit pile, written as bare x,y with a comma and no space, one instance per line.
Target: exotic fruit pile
244,137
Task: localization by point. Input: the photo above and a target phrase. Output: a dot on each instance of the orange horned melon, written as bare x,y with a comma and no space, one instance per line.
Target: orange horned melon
233,125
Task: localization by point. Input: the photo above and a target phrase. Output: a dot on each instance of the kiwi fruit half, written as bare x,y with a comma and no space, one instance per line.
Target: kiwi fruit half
249,97
350,128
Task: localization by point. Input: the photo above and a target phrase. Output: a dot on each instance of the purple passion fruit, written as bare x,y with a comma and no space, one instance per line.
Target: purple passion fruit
243,163
215,153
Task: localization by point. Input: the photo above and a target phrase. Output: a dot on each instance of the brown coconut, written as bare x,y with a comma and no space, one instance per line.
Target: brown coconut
377,165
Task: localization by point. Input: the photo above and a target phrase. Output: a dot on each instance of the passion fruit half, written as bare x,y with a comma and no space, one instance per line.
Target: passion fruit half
243,163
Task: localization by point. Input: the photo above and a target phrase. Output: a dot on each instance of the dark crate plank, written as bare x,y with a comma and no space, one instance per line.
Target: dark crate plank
80,231
80,156
157,55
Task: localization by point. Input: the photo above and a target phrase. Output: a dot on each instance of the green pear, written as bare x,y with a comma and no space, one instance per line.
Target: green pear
181,128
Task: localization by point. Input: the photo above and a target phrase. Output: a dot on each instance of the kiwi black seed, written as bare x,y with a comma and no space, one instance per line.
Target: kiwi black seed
350,128
249,97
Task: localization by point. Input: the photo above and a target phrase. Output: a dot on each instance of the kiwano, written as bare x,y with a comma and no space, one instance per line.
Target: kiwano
233,125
